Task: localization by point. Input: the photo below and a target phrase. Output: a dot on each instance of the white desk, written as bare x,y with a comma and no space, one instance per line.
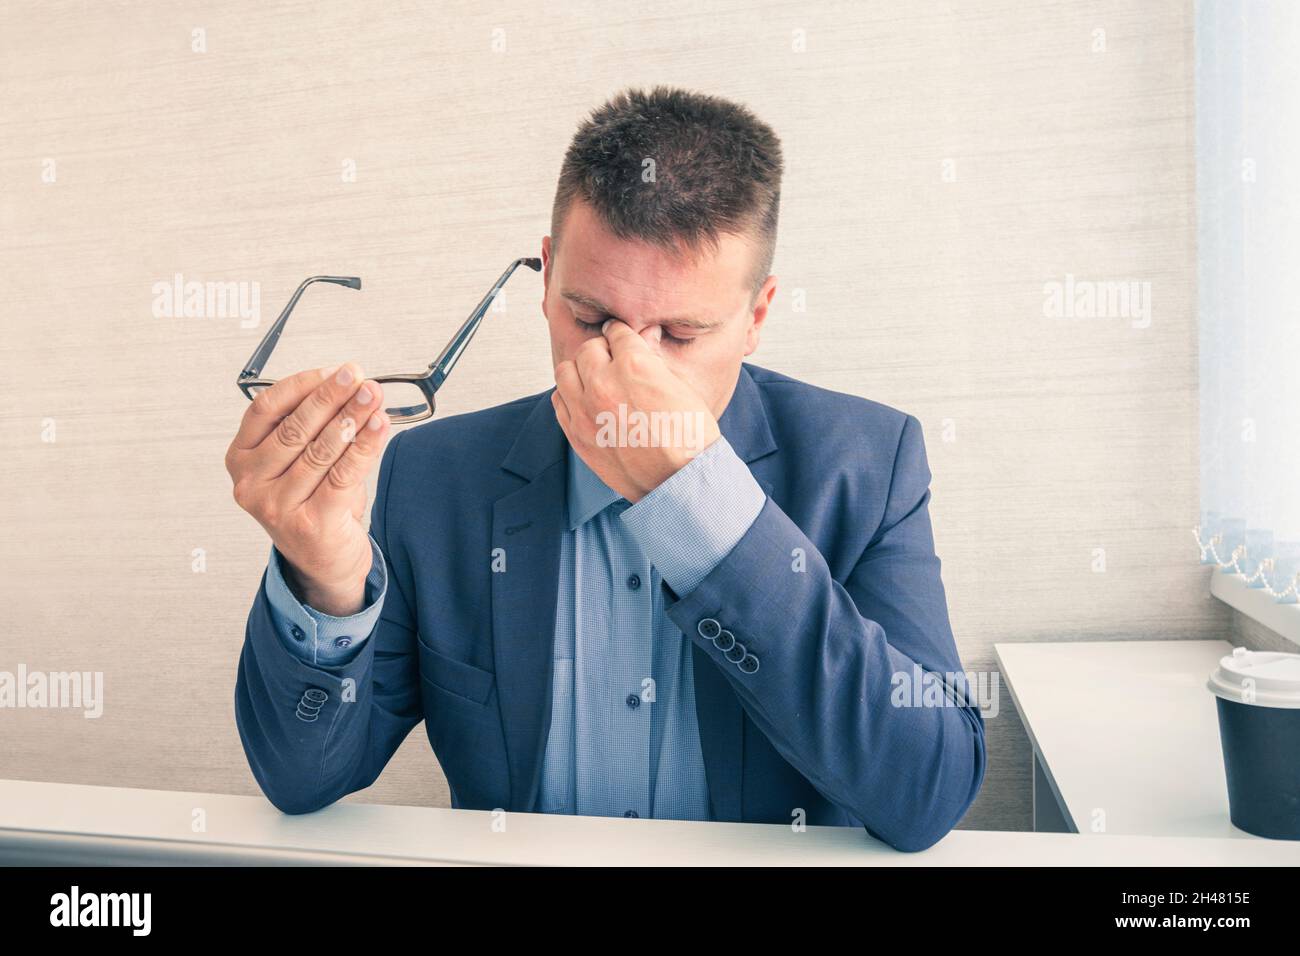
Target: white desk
70,824
1124,728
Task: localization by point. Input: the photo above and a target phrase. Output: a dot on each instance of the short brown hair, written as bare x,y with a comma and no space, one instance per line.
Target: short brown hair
716,169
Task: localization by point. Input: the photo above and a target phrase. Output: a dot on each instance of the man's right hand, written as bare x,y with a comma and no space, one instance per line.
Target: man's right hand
299,463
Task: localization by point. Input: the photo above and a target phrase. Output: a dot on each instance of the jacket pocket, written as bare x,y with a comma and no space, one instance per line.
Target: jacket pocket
454,676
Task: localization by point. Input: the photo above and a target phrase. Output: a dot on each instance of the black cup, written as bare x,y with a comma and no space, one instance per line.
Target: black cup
1261,754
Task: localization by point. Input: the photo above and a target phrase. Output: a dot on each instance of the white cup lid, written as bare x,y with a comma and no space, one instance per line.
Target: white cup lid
1263,678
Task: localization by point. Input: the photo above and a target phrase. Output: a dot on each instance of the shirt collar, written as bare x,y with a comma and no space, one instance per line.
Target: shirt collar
588,495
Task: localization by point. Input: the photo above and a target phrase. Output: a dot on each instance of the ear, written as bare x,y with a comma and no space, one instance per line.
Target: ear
546,271
762,302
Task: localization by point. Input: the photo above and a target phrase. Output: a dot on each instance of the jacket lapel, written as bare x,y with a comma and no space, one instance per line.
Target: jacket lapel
528,524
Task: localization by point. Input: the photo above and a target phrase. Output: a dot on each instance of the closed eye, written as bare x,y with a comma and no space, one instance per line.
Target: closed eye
665,335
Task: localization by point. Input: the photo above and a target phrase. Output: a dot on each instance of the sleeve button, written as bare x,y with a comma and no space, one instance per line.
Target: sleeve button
313,699
709,628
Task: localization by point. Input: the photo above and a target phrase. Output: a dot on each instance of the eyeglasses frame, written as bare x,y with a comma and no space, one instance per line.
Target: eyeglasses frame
250,379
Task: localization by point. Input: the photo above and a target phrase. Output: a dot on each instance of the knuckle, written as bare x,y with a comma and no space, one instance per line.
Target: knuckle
341,475
601,392
317,455
322,399
359,447
269,513
635,363
291,433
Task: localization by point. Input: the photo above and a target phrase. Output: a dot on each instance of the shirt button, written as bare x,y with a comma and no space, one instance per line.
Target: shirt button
296,631
631,813
634,582
343,642
633,701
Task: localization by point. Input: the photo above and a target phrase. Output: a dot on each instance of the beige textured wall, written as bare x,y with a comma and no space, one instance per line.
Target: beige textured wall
923,290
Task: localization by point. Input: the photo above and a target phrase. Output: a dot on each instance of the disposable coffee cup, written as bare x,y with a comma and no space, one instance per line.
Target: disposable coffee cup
1258,696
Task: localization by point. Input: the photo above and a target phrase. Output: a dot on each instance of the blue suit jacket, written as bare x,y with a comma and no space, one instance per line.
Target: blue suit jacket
835,589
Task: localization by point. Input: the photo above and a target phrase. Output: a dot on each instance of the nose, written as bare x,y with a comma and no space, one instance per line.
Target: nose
652,332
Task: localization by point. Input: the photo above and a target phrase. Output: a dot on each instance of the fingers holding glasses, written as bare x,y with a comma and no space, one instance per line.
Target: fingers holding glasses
300,426
272,404
323,452
349,471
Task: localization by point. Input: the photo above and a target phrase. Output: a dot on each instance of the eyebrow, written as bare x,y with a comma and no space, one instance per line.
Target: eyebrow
684,320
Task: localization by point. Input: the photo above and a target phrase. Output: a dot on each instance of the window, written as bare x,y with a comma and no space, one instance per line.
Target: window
1248,266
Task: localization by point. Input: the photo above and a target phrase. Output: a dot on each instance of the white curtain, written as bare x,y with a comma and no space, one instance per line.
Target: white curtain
1248,199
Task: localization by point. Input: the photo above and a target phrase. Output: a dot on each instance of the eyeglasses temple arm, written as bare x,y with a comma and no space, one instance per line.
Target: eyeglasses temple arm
253,367
444,363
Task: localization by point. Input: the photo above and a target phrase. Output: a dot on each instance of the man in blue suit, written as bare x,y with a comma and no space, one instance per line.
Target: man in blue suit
676,585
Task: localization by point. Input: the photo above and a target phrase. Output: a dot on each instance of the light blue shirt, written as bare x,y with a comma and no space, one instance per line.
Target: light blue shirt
623,739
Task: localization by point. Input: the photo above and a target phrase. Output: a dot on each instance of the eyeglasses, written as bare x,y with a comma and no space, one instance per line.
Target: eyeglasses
407,398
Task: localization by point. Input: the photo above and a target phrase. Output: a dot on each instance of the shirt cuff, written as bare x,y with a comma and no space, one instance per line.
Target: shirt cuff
320,638
693,520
